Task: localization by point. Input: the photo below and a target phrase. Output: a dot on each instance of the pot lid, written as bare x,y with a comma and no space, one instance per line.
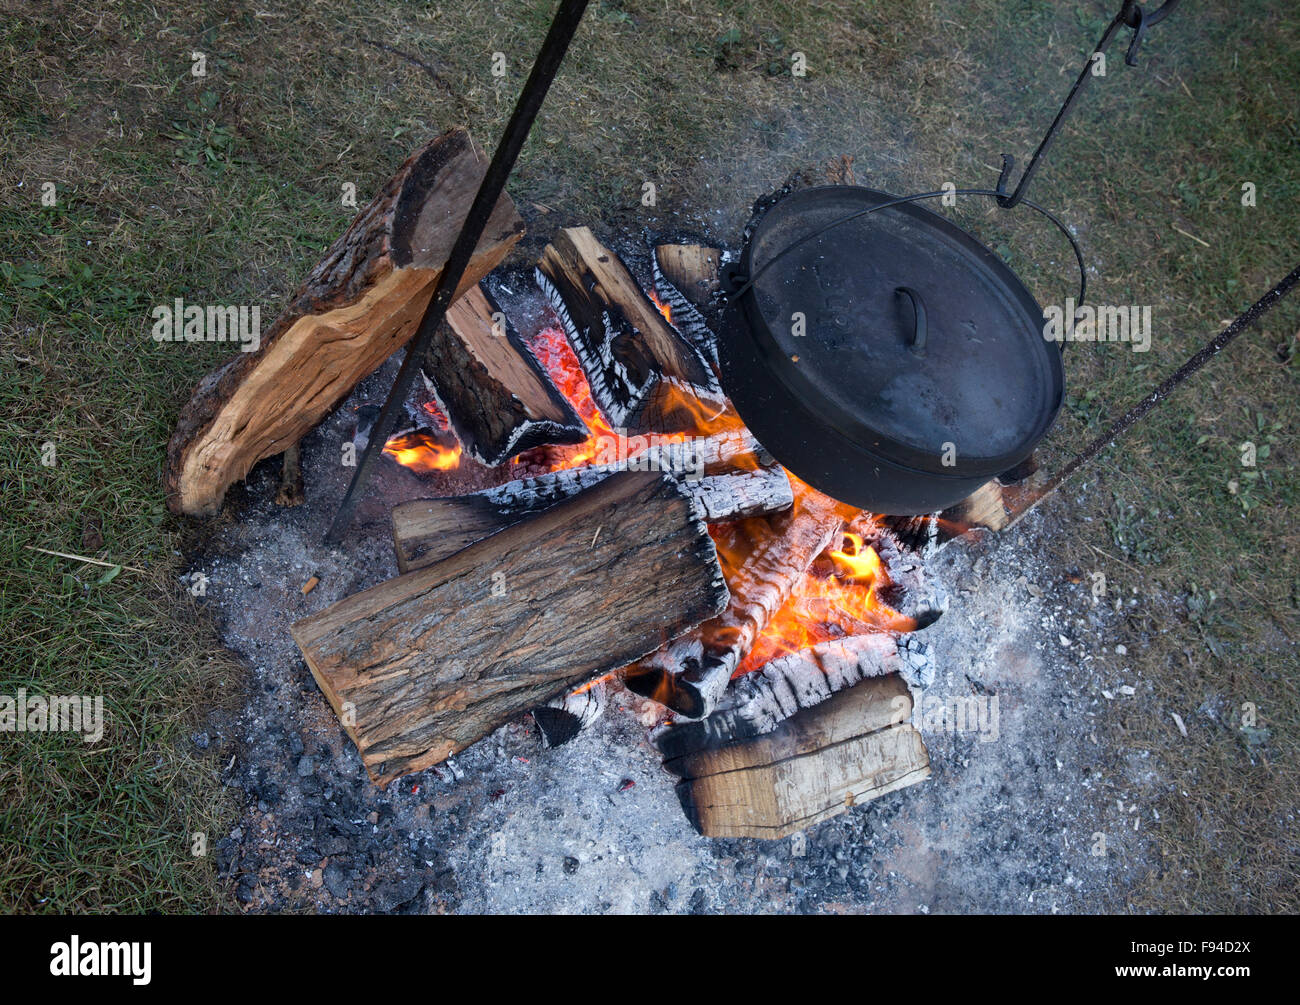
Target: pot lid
900,330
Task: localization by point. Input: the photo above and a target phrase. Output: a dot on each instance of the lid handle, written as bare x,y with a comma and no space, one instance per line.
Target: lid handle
920,330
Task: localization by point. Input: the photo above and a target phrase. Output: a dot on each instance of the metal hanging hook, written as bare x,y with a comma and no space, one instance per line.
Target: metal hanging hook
1130,16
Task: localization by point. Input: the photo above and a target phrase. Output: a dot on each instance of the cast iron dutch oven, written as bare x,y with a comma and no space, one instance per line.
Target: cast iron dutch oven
884,355
893,361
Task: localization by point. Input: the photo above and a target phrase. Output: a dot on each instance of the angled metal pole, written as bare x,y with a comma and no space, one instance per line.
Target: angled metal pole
516,132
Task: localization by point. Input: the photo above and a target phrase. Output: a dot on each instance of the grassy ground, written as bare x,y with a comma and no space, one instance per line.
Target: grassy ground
224,189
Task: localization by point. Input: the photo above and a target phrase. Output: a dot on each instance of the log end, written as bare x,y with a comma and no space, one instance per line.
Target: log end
358,306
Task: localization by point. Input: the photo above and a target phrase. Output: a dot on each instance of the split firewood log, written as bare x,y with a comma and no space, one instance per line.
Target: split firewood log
728,476
490,386
357,307
428,530
856,746
686,277
691,269
984,509
423,665
644,375
690,674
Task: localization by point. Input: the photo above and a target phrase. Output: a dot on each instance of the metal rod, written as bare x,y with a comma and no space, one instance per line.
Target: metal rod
516,132
1130,16
1247,319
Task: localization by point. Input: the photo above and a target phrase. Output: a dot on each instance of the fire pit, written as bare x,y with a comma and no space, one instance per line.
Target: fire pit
574,506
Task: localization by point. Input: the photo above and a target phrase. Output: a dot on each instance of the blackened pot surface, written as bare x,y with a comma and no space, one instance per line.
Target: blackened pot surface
821,355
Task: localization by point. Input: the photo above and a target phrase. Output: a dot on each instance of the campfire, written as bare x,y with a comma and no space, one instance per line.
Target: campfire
638,535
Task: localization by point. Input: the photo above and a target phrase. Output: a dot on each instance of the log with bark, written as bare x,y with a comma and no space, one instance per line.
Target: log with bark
690,674
644,375
856,746
358,306
728,476
423,665
490,386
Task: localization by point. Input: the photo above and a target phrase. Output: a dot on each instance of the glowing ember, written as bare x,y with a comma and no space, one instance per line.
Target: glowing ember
604,442
558,360
440,421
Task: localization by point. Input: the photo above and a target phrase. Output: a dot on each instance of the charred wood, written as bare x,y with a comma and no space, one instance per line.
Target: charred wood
721,474
759,702
644,375
690,674
855,746
565,717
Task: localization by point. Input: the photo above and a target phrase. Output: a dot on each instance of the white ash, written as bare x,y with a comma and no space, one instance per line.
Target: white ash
1001,827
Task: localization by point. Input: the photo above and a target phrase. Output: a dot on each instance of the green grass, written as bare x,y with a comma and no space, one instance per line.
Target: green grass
225,189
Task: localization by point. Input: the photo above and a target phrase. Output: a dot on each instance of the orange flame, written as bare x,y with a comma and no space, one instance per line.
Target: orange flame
558,360
837,597
666,309
561,364
421,452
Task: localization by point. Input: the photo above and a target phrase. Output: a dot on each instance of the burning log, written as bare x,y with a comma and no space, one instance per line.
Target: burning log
499,399
983,509
679,268
690,269
724,475
423,665
644,375
905,590
359,305
852,748
690,674
563,718
759,702
428,530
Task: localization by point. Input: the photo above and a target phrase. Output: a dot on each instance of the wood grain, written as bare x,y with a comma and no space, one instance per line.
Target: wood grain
362,303
423,665
498,398
854,747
